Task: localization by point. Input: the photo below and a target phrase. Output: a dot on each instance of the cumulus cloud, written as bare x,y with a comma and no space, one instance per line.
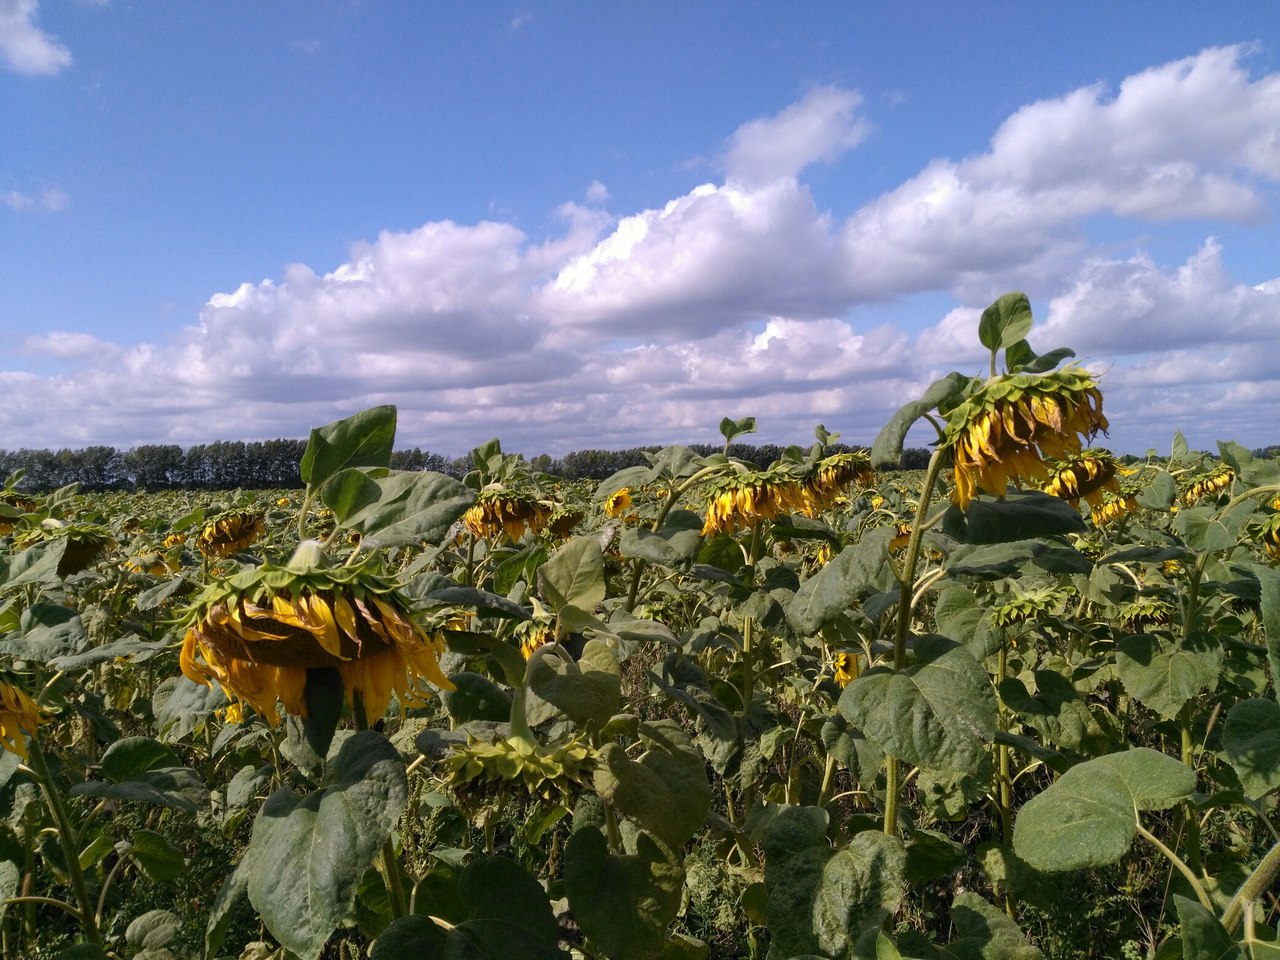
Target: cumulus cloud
24,47
741,297
51,199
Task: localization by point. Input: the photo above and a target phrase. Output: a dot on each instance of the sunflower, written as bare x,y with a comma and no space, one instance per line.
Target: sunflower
744,500
1113,507
1087,477
18,715
846,668
618,502
1270,535
259,631
229,532
498,512
833,475
1206,484
1002,433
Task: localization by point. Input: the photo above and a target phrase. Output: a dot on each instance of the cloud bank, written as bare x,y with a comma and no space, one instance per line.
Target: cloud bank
743,297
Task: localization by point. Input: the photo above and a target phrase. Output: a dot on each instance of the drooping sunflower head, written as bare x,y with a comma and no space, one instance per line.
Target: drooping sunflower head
258,632
1004,430
19,716
833,475
85,541
503,511
1209,483
229,532
1269,534
1113,507
1087,477
1032,604
744,500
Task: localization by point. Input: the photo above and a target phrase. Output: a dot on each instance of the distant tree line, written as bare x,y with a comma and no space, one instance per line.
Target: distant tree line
273,464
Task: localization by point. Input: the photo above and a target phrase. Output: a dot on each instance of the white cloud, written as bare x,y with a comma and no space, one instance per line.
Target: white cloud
741,297
820,127
52,199
24,47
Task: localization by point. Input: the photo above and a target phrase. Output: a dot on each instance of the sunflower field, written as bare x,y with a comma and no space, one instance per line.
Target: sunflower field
1020,704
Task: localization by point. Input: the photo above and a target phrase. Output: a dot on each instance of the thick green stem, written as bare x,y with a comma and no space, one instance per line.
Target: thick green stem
1180,864
66,836
1188,812
906,591
1259,882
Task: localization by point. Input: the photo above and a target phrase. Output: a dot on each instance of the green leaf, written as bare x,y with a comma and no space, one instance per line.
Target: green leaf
363,440
985,933
181,705
152,930
1164,676
1269,601
587,691
46,631
10,881
325,695
675,545
307,854
861,886
1006,321
1160,493
574,575
1056,711
887,449
834,588
38,564
623,902
131,756
1203,935
475,697
157,857
1206,530
1251,741
1088,817
402,507
666,790
938,714
1019,516
729,429
176,788
221,910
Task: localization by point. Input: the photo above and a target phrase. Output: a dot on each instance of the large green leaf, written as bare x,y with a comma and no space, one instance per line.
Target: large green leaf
985,933
587,690
1006,321
365,439
1208,530
623,902
1164,676
176,788
887,448
861,886
1089,816
37,564
938,714
402,507
1055,711
1203,935
307,854
675,545
835,587
157,856
1269,601
574,575
1019,516
1251,741
46,631
666,790
1160,493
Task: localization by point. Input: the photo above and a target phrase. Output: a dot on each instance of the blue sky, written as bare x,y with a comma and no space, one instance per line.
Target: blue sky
572,224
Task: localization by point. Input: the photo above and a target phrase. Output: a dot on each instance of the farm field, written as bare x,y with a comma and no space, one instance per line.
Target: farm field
700,709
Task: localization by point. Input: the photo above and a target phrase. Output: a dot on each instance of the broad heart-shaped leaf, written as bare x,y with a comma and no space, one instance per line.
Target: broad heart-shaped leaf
365,439
402,507
1056,711
835,587
46,631
574,575
158,858
861,886
938,714
1006,321
36,564
1019,516
1203,935
177,788
666,791
1269,601
130,756
587,691
1209,530
675,545
736,428
498,911
1251,741
181,705
623,902
986,933
1089,816
1160,493
1164,676
307,854
887,449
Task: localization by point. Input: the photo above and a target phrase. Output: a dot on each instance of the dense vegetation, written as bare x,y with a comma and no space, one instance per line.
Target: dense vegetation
702,708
